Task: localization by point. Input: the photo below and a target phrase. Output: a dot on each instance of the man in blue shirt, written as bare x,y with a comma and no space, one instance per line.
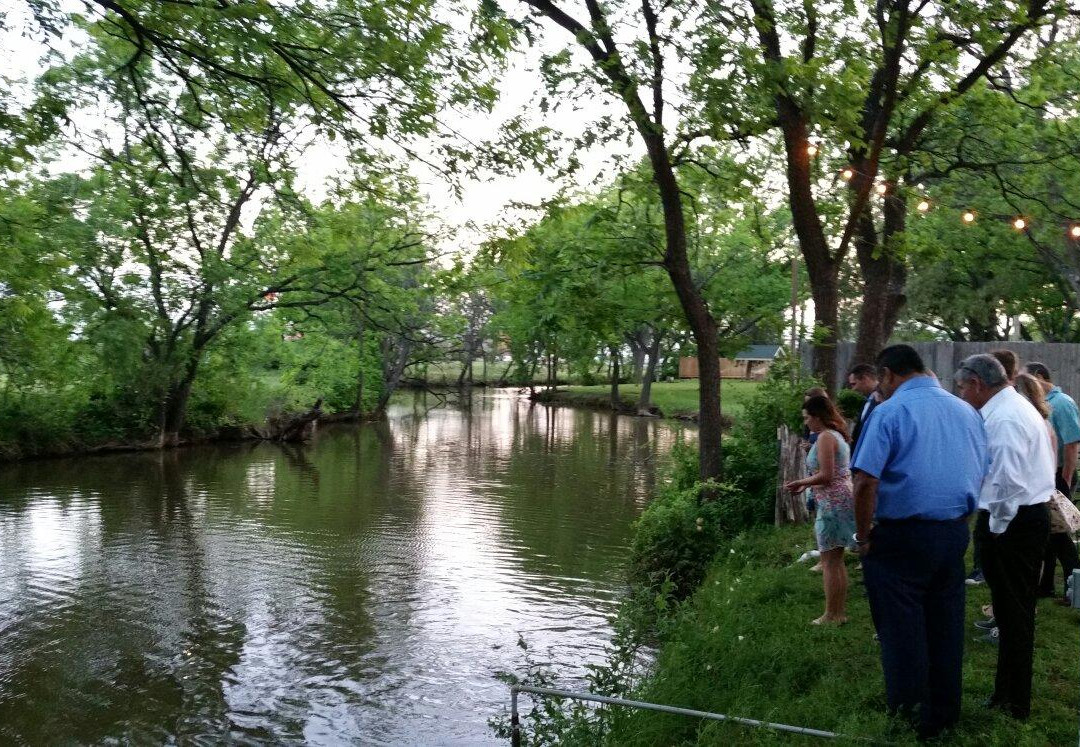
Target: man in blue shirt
919,467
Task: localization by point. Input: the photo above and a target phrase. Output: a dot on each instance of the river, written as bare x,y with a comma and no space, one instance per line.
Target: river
367,587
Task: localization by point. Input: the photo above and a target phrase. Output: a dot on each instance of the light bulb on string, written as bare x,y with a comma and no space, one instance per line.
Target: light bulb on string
968,216
923,206
812,150
847,173
1074,231
1019,223
882,188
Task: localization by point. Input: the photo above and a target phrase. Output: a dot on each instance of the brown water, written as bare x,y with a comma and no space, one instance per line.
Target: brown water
367,587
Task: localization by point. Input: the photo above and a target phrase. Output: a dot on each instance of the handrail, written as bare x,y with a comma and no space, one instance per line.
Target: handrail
515,724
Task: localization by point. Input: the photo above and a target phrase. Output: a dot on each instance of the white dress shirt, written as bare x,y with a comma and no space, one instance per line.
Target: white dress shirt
1022,463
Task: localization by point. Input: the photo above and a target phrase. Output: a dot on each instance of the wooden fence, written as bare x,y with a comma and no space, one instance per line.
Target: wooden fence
790,509
1063,359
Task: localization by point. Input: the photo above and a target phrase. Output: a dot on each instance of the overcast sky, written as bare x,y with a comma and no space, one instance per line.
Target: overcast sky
484,201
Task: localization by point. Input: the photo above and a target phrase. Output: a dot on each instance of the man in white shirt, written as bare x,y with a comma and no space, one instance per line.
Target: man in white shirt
1014,520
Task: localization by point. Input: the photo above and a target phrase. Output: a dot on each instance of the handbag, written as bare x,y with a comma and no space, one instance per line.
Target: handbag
1064,515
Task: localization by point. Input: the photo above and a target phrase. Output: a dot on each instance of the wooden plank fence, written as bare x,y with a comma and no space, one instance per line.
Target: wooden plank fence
1063,359
790,509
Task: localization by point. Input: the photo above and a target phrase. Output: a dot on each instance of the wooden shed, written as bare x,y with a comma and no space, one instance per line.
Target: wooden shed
752,363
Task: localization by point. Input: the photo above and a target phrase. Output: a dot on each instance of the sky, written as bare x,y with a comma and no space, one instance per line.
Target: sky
483,201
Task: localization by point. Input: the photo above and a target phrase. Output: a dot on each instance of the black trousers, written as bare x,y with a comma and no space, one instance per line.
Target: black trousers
1011,563
914,576
1059,549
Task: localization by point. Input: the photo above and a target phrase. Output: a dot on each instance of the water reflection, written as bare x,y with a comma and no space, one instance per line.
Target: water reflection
366,587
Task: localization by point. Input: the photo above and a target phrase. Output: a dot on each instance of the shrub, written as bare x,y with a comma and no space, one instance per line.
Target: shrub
850,403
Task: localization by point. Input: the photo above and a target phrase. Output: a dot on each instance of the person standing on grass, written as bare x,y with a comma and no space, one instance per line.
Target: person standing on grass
863,379
1066,423
1013,521
918,467
830,478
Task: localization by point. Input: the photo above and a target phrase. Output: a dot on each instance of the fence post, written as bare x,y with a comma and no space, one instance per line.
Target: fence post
515,722
790,509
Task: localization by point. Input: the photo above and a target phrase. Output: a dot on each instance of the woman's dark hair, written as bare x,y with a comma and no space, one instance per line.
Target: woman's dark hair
815,391
902,360
824,410
1039,370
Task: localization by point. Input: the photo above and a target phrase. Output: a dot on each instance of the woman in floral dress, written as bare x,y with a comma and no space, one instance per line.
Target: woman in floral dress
829,464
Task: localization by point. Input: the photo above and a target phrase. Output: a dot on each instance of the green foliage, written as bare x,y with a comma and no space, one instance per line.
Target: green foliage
743,646
850,403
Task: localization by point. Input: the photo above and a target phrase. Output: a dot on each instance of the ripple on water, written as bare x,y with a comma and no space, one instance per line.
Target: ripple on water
365,588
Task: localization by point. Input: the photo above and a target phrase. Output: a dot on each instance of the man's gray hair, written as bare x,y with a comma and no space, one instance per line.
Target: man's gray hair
984,367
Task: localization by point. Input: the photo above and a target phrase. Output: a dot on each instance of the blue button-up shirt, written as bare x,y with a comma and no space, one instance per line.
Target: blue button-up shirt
927,448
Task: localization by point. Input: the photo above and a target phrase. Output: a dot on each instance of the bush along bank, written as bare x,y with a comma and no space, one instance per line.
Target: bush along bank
718,620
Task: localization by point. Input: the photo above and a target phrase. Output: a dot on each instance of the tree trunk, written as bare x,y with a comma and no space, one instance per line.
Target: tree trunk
358,406
645,399
821,268
173,413
884,279
637,349
616,403
702,324
392,375
173,410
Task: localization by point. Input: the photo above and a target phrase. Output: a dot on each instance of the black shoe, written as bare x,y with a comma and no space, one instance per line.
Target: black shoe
986,624
991,636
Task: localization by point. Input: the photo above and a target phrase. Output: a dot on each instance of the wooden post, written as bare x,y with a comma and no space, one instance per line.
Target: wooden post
790,509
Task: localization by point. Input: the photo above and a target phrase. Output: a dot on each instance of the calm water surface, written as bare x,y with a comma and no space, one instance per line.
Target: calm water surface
367,587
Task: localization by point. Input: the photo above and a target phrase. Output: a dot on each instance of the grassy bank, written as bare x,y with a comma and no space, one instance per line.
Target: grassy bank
742,645
675,398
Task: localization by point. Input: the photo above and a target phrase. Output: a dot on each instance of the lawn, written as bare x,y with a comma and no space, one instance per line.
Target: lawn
673,398
743,646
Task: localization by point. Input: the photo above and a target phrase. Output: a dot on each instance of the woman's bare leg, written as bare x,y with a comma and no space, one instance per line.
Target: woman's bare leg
835,581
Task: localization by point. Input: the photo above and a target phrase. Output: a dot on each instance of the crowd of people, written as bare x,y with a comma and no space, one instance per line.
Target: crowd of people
900,491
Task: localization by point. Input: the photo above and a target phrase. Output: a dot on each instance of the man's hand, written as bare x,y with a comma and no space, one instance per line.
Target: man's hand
795,487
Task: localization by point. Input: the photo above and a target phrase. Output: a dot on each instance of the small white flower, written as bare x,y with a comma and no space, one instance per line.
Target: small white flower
708,667
741,637
732,551
715,628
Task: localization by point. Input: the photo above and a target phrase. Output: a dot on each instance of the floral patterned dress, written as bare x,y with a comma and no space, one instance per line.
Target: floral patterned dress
835,523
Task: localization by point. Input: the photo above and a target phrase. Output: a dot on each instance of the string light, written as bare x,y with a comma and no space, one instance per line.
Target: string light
811,150
968,216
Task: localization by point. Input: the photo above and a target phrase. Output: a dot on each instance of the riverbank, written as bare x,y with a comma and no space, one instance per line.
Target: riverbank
674,399
237,433
742,645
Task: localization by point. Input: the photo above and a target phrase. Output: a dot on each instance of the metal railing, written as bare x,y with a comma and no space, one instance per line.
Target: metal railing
515,723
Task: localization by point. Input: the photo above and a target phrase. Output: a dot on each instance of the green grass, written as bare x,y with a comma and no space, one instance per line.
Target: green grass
673,398
743,646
